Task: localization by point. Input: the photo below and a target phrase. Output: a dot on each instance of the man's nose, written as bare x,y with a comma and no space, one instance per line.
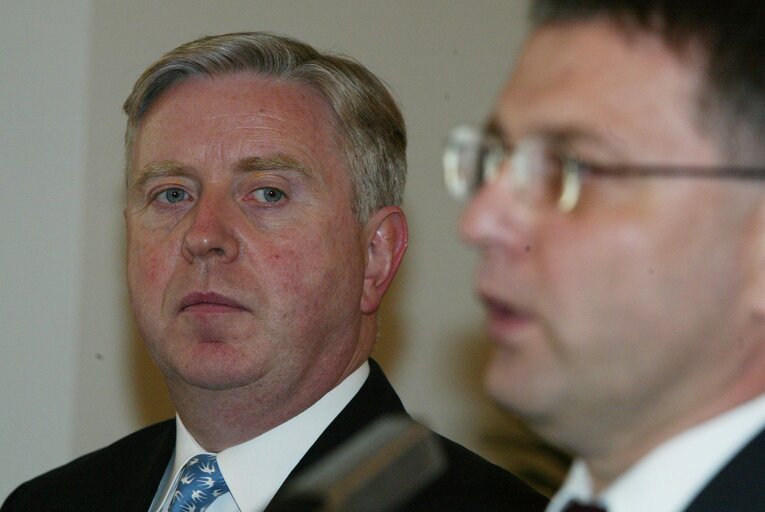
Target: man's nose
212,234
497,216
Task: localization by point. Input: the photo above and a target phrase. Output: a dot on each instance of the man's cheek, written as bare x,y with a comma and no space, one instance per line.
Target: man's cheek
152,258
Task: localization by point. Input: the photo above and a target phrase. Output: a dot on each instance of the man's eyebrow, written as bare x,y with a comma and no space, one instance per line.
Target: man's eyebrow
275,162
569,137
556,135
158,170
493,127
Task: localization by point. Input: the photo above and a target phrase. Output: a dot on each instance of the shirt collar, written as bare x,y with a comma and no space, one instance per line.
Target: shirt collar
256,469
688,461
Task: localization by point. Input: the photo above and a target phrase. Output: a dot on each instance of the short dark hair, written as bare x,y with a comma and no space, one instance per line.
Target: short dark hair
732,36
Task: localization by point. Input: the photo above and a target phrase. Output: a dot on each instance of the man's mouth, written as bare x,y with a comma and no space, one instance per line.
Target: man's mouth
209,302
504,317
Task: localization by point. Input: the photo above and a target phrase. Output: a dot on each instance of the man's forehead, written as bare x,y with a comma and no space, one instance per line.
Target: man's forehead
578,75
239,115
242,93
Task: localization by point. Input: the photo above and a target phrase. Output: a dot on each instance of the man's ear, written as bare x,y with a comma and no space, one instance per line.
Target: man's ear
386,236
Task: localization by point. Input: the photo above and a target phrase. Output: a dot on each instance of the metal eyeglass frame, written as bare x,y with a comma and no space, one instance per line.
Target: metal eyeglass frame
473,157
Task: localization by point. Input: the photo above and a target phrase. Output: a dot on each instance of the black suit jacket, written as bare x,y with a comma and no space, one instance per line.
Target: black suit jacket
739,486
125,475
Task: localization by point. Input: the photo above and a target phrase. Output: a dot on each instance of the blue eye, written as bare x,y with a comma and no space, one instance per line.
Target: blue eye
172,195
269,195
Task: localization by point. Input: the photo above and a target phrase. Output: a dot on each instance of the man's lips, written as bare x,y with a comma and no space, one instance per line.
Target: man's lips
210,302
503,316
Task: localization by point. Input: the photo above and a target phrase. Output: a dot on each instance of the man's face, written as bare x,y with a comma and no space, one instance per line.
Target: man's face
629,308
245,259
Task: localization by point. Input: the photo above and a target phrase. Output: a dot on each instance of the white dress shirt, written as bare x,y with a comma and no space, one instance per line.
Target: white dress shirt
256,469
675,472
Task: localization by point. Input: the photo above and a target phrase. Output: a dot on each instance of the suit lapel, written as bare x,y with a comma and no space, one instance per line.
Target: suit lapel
376,398
142,472
738,486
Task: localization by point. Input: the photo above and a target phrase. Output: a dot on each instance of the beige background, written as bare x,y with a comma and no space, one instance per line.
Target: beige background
73,375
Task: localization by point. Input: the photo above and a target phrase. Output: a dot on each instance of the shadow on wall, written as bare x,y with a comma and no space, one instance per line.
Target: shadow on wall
152,402
388,348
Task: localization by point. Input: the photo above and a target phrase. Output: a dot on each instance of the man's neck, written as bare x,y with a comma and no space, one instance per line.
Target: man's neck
626,449
689,461
219,419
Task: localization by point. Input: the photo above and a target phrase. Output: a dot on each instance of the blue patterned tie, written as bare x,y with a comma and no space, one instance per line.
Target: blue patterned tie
199,484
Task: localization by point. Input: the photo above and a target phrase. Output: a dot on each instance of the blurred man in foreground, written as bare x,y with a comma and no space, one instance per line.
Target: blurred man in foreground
620,215
263,188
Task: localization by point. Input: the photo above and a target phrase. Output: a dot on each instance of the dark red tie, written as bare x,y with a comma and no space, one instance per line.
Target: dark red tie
575,506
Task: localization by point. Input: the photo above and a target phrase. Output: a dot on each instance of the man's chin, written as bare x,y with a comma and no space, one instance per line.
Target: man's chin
500,383
515,386
212,379
214,374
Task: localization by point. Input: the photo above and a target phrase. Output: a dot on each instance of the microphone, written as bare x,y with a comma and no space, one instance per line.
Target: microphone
376,470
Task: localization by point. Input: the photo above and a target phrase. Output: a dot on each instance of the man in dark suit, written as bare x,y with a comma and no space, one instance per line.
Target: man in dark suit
620,212
263,188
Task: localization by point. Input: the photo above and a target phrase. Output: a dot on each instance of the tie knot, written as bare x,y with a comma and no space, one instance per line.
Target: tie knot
576,506
199,483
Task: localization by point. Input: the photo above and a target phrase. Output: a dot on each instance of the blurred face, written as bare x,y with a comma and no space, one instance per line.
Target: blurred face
245,260
629,309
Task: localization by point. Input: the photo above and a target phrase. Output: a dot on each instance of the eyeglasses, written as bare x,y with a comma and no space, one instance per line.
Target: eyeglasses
542,175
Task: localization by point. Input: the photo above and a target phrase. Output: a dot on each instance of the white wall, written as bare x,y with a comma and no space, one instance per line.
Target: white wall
73,375
43,81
